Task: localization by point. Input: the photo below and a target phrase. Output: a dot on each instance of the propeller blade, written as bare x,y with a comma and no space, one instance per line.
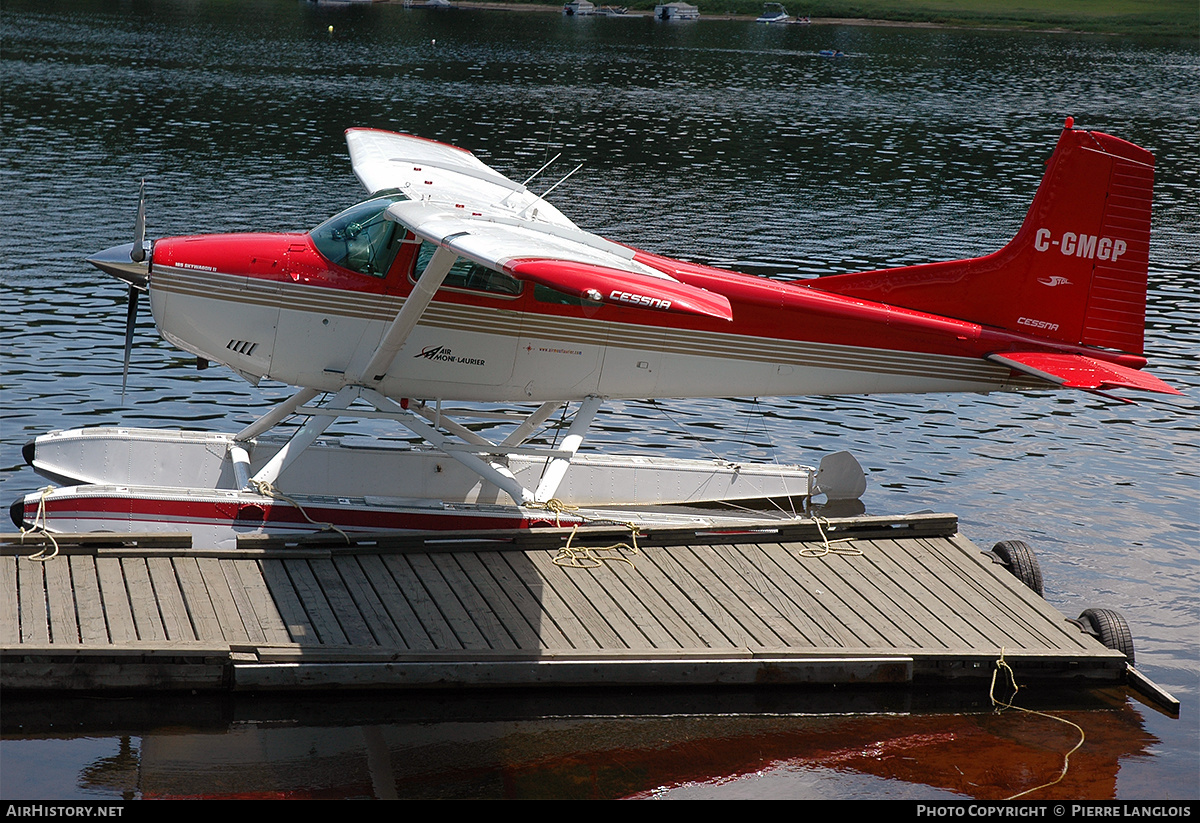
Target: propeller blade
130,321
138,253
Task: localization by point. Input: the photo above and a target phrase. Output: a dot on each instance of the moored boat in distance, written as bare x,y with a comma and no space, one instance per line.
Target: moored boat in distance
774,13
615,11
579,8
676,11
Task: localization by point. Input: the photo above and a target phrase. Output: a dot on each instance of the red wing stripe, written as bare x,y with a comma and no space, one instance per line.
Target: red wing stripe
623,288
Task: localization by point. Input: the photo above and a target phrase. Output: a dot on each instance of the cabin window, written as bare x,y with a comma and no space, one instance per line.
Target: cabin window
465,274
545,294
361,238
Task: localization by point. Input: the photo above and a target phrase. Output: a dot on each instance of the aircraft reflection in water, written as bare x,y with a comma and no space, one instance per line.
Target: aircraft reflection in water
702,744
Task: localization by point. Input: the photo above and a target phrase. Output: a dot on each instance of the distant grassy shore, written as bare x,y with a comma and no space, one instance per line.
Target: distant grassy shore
1164,18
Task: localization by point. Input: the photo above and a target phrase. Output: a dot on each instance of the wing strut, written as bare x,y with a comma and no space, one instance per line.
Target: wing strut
492,471
303,438
406,320
557,467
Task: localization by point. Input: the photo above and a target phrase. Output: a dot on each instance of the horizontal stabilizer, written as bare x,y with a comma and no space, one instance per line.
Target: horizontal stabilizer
1076,371
621,288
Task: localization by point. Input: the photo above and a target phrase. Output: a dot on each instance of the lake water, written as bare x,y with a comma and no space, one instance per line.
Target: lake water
722,142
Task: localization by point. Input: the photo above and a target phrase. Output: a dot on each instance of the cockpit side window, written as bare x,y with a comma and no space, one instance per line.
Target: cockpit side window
361,238
465,274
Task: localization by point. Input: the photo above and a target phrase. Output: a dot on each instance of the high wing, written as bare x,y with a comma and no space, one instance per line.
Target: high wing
434,172
459,203
569,260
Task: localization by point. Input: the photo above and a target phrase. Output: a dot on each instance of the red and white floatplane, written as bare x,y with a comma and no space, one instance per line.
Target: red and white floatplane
454,284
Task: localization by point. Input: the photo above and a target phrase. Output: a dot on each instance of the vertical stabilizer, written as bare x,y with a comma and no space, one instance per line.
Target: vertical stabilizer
1075,272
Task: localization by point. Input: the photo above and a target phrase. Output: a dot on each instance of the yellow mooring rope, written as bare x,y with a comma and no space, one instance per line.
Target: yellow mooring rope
41,555
827,546
593,557
1000,706
589,557
267,490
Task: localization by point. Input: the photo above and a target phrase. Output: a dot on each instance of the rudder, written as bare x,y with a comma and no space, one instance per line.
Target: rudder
1075,272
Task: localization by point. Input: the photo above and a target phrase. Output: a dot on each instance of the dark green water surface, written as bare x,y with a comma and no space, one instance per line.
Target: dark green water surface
717,141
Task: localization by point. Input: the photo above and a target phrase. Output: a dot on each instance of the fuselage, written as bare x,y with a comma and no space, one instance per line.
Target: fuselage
310,309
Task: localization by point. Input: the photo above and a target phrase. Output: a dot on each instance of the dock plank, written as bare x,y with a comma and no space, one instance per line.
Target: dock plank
93,628
555,609
794,616
545,632
263,612
681,567
472,592
643,604
839,583
900,615
1051,630
420,601
596,585
115,598
843,615
224,604
341,602
591,615
903,619
308,589
243,616
996,594
410,633
197,601
177,623
35,627
366,600
932,602
60,601
142,602
740,602
289,602
657,619
509,617
790,626
448,603
678,598
10,608
981,598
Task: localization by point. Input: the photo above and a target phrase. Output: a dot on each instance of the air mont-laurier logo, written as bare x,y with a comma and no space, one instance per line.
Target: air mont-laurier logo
445,355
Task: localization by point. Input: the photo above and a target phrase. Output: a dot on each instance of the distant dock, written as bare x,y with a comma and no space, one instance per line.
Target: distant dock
856,600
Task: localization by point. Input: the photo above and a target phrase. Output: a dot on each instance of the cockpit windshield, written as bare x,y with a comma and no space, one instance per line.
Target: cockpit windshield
361,238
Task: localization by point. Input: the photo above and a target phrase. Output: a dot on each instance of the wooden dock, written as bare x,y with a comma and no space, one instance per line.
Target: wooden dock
892,601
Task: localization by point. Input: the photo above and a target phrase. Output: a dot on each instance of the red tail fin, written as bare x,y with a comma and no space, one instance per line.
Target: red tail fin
1075,273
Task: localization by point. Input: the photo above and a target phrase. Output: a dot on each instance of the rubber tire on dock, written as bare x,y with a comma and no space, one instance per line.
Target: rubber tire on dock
1111,630
1018,558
